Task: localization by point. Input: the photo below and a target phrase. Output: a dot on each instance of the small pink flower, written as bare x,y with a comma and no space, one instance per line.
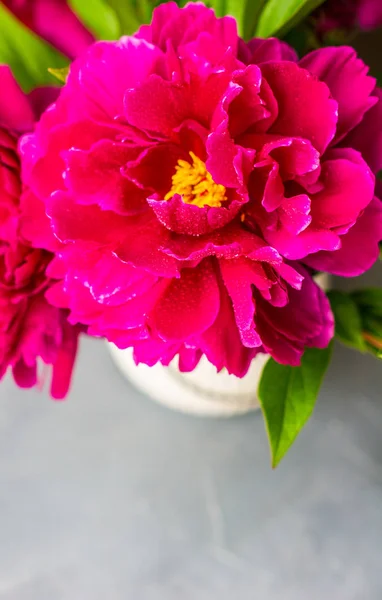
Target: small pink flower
348,14
54,21
190,177
30,328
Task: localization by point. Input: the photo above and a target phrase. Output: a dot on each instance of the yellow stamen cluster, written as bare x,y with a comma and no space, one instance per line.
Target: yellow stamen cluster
195,184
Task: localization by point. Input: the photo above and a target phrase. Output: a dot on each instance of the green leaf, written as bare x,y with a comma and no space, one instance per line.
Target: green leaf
287,396
369,302
99,17
348,320
372,325
246,13
370,299
219,6
60,74
28,56
131,14
377,352
358,319
143,11
279,16
109,19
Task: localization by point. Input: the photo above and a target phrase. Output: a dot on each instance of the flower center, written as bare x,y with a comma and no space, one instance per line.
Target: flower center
195,184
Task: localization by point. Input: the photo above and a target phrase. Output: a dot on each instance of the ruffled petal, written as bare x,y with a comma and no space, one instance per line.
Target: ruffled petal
306,321
43,159
15,110
189,304
367,136
95,177
229,242
181,26
72,221
221,342
359,247
35,226
347,188
305,106
65,361
99,78
239,276
190,219
157,106
346,76
270,49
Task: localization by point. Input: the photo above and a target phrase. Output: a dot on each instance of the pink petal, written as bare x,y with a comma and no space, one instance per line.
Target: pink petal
296,247
346,76
15,111
157,106
99,78
144,238
190,219
34,224
266,186
295,156
111,282
45,174
189,305
242,102
225,160
54,21
221,342
41,98
294,214
229,242
359,247
181,26
153,350
348,187
188,358
64,363
305,107
370,14
72,221
239,275
153,169
25,376
305,321
94,177
366,137
271,49
135,312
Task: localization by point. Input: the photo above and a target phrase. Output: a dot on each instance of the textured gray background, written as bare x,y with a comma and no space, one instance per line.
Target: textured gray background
110,496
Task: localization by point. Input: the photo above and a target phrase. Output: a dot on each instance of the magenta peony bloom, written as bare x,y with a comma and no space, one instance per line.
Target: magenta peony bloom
348,14
30,328
190,177
54,21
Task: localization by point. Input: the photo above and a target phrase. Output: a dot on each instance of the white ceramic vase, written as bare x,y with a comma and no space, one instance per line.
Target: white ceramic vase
203,392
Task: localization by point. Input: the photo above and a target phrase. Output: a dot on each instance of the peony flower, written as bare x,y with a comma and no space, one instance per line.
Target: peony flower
30,328
55,22
195,181
348,14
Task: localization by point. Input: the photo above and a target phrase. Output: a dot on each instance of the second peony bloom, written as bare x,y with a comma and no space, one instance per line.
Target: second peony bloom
196,182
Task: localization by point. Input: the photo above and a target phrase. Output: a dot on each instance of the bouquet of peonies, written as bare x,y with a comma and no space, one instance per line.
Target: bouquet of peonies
181,190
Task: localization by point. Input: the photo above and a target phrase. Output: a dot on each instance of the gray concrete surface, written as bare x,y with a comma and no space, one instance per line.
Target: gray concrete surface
109,496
